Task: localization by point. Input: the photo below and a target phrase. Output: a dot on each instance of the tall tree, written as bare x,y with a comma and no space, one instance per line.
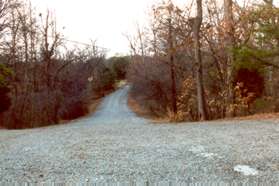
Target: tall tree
171,59
202,110
269,4
229,39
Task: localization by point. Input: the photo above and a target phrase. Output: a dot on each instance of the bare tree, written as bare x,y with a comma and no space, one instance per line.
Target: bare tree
230,42
51,40
199,69
171,58
5,7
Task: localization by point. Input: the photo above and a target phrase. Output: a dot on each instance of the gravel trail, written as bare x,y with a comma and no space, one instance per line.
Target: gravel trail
116,145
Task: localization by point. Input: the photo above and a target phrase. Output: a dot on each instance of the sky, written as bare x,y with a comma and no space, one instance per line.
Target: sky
106,21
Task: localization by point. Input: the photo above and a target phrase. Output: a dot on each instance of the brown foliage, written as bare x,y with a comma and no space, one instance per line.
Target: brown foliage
225,27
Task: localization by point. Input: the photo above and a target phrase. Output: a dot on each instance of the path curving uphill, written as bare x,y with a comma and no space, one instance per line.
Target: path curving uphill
116,145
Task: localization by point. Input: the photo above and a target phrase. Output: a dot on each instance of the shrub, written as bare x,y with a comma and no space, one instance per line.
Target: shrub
119,66
5,100
251,83
187,109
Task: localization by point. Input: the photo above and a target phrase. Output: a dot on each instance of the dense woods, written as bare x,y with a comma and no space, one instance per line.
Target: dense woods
207,60
43,78
211,59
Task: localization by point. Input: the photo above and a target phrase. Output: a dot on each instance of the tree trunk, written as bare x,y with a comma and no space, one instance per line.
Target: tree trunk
202,111
229,41
270,88
172,68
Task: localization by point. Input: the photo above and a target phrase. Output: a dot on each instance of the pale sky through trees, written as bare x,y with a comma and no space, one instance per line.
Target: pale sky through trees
104,20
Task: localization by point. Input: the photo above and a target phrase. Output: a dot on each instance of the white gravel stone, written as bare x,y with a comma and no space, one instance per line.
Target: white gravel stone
208,155
246,170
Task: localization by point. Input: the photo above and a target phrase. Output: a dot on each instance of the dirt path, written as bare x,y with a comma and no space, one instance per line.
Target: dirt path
116,145
115,110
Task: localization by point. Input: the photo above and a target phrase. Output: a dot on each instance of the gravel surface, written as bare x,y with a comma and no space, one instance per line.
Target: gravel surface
116,145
